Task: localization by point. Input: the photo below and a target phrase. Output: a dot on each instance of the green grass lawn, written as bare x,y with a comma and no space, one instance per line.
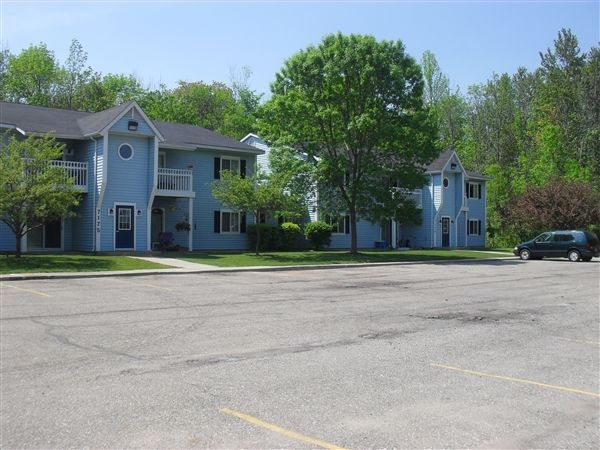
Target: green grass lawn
37,263
331,257
71,263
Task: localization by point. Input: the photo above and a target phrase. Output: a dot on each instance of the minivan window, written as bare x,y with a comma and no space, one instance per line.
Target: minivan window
563,237
543,237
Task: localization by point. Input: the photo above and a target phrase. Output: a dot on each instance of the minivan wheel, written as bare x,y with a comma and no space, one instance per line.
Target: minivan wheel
574,255
525,254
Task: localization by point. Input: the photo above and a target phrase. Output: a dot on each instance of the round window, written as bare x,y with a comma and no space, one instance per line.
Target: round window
446,182
126,151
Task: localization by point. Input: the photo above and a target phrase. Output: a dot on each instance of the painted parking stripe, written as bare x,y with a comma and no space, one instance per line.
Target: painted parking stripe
580,341
153,286
280,430
31,291
517,380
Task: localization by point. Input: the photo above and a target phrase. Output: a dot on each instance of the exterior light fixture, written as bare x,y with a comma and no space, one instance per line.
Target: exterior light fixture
132,125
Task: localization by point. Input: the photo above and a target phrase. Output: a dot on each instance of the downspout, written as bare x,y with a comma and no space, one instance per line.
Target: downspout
94,187
437,214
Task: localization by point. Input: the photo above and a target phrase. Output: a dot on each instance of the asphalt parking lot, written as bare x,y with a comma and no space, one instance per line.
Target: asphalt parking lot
486,354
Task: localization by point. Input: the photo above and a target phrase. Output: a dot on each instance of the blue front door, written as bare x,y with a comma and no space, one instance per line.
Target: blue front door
124,227
445,231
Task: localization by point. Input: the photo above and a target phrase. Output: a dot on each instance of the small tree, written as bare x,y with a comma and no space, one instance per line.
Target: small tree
318,233
32,190
259,194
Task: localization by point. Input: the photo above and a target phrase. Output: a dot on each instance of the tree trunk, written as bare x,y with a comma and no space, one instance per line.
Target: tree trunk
17,245
353,234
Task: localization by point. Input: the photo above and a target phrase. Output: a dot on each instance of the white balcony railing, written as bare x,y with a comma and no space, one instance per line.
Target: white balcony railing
174,180
78,171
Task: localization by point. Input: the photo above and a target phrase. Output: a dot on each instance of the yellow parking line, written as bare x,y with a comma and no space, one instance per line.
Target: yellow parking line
153,286
517,380
31,291
278,429
580,341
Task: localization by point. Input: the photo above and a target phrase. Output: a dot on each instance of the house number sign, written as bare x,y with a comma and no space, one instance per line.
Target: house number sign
98,221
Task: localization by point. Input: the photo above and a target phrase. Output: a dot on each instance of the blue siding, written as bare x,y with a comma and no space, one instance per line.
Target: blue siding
366,235
7,238
143,130
128,183
204,237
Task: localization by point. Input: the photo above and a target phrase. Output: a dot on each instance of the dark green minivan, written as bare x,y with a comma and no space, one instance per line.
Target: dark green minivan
577,245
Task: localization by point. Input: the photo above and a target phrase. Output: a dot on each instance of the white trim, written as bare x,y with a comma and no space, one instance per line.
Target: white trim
133,105
123,144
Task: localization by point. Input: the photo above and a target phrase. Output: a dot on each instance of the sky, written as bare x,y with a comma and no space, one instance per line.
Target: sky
163,42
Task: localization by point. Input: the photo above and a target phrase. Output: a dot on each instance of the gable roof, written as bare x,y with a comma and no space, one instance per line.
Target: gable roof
68,124
438,165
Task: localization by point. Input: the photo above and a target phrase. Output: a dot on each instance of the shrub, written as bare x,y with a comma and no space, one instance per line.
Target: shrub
318,233
269,237
290,235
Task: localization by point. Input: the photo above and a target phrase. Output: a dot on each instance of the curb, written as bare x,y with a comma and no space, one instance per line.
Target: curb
184,271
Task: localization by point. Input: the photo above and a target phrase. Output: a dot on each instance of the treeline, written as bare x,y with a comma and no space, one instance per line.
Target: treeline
36,77
525,131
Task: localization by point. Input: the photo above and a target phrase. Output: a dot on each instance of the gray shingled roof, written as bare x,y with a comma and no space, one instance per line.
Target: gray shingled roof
77,125
182,135
438,164
94,123
37,119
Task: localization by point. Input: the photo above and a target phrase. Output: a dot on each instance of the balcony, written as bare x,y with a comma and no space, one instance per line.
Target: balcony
174,183
78,171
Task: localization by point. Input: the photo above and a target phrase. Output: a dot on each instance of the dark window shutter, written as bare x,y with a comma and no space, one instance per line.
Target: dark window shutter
242,223
467,193
243,168
479,226
217,221
347,225
479,190
217,167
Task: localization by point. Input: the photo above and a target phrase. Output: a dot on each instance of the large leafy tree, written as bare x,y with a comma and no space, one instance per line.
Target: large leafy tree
32,190
355,104
31,76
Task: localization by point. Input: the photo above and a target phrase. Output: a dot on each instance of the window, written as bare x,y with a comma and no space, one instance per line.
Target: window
162,160
227,221
473,190
340,224
125,152
563,237
233,165
474,227
545,237
124,222
446,182
230,222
